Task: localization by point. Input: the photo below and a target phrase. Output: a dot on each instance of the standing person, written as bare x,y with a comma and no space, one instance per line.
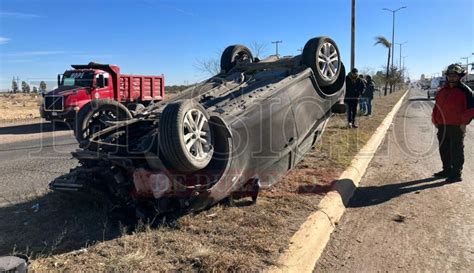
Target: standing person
354,88
369,93
362,102
453,110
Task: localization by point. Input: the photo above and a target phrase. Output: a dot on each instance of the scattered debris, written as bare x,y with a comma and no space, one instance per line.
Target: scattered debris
213,215
35,207
399,218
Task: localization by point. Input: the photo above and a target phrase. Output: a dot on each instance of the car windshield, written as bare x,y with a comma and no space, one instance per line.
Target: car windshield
78,78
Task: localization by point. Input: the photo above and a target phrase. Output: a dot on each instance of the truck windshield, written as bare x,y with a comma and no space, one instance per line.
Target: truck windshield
78,78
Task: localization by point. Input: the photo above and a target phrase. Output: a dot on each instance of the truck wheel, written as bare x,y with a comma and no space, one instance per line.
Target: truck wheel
233,55
185,136
322,56
93,117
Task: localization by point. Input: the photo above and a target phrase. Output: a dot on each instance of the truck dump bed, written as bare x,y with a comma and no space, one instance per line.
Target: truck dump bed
141,88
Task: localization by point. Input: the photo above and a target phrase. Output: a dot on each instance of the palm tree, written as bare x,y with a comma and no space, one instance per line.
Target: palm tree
384,42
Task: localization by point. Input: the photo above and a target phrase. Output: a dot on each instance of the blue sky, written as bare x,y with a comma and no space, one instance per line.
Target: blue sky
41,38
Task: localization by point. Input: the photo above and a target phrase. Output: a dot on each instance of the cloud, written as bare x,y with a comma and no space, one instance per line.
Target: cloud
94,55
18,15
3,40
33,53
20,61
185,12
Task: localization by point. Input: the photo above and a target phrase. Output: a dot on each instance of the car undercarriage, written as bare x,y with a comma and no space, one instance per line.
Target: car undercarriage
227,137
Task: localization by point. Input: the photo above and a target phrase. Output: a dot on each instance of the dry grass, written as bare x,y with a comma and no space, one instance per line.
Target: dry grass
222,238
340,144
19,106
74,235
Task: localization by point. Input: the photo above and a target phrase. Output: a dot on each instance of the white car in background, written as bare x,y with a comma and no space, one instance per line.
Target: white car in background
436,84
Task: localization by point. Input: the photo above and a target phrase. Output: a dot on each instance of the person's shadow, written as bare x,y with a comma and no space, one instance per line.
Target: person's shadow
374,195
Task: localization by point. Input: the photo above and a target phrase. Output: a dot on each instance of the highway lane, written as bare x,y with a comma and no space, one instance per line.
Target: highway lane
28,165
401,218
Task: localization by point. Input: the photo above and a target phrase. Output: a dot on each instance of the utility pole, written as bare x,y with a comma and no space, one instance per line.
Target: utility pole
401,44
467,67
467,62
276,46
300,49
353,26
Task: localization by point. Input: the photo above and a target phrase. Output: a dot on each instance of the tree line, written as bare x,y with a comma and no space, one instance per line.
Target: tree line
26,88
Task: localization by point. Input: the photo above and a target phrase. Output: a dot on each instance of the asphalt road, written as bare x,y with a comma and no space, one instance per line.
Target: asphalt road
28,165
400,218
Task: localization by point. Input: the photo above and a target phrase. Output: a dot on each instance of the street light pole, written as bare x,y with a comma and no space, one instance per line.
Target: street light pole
401,44
393,27
353,26
276,45
393,36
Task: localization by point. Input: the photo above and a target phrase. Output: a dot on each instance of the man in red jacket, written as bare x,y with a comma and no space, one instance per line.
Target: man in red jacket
453,110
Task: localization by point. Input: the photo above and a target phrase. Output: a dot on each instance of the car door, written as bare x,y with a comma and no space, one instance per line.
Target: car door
271,133
309,109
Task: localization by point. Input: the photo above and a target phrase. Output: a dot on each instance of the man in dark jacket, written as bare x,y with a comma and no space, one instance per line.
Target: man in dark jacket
453,110
362,103
354,88
369,94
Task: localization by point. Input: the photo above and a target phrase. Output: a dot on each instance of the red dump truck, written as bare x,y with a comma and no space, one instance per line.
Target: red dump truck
99,83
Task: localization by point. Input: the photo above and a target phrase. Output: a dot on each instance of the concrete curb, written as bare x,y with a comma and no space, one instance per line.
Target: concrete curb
308,243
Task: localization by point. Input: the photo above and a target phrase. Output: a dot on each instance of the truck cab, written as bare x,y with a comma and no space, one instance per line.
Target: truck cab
85,83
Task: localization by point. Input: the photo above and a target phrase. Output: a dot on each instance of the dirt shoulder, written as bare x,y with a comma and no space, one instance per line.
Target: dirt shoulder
19,106
242,237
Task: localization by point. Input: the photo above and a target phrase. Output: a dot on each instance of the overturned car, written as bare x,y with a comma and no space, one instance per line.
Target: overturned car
228,136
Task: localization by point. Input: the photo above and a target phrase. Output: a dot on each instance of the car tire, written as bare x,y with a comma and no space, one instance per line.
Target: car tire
185,143
233,55
88,119
322,55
